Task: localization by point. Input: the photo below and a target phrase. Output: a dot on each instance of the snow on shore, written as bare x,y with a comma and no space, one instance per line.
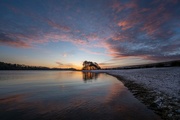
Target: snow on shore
158,88
166,80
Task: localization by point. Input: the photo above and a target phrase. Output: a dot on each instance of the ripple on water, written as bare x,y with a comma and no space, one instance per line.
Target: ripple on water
66,96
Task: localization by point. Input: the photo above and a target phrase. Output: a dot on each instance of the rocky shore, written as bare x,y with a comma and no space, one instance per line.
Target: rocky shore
157,88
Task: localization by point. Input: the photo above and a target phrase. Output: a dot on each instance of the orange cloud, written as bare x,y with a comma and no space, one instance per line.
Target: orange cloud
124,24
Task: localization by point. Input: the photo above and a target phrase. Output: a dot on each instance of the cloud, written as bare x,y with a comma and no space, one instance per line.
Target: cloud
66,65
6,40
54,37
148,31
119,6
59,26
145,29
40,28
64,55
124,24
59,63
68,53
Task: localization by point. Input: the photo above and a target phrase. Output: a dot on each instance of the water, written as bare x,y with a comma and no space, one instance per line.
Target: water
66,95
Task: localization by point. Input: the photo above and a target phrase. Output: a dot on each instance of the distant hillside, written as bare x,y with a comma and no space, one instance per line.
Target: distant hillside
161,64
9,66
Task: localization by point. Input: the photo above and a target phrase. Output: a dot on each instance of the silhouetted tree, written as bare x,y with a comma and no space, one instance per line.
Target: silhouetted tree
88,65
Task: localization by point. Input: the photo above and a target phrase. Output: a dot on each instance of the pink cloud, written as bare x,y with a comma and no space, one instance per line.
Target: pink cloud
6,40
92,37
19,44
65,38
55,25
124,24
59,63
119,6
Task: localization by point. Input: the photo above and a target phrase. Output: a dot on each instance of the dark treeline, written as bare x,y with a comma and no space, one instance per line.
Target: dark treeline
153,65
9,66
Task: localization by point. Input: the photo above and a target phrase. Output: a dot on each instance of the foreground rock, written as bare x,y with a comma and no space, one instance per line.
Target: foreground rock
158,88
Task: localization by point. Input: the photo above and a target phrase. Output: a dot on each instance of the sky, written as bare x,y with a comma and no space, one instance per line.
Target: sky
113,33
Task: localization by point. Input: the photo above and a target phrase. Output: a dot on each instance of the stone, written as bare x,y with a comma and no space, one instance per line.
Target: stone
170,115
178,111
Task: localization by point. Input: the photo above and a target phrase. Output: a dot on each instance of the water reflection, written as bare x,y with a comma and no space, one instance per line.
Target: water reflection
36,95
89,76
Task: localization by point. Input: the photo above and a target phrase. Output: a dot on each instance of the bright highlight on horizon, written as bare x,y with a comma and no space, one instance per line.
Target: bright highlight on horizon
113,33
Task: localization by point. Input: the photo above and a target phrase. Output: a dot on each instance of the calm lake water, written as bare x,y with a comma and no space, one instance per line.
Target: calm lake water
66,95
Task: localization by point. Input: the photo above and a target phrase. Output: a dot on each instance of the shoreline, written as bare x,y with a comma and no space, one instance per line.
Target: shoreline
166,105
